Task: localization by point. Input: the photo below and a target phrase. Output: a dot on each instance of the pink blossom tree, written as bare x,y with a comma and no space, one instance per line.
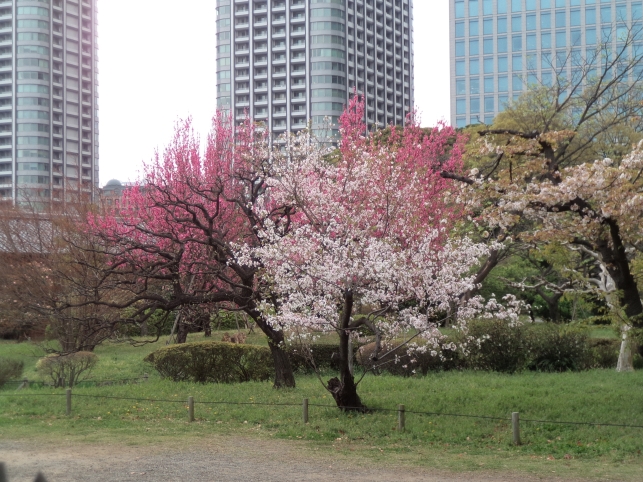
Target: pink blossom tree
170,244
369,243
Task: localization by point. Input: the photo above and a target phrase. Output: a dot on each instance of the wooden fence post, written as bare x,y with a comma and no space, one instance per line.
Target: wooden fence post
305,410
68,401
400,418
515,425
145,377
190,409
3,473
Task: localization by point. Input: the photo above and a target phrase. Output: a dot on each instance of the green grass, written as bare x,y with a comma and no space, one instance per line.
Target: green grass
594,396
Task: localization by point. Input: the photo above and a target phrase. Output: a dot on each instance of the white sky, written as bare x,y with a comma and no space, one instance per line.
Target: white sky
157,65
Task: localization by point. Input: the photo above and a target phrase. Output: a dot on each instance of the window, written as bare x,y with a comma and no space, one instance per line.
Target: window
474,27
460,87
532,42
637,11
530,5
489,104
502,44
561,39
461,106
516,5
488,65
545,41
516,43
487,26
327,12
29,88
574,18
474,105
459,48
575,38
502,6
590,37
503,64
474,86
489,85
502,24
606,14
459,29
503,83
474,47
487,7
531,22
545,20
460,68
516,23
546,79
545,3
473,8
516,63
561,19
487,46
459,9
590,16
474,67
43,12
516,83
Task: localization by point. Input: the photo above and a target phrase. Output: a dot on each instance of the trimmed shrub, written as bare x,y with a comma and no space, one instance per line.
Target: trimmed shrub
10,370
401,363
500,346
213,361
557,349
67,370
604,352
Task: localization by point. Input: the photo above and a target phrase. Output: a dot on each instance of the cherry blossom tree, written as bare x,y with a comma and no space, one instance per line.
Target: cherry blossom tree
170,243
594,207
369,243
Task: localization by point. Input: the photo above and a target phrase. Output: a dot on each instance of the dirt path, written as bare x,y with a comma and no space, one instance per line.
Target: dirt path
232,459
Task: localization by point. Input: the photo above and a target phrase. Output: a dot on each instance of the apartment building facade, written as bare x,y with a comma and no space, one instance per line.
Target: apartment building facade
288,62
48,100
500,47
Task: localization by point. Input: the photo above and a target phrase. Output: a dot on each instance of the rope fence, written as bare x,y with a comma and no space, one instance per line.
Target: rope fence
305,405
25,383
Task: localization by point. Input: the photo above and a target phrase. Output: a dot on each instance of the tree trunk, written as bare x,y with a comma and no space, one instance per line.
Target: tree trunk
284,376
207,326
344,389
552,304
182,332
625,360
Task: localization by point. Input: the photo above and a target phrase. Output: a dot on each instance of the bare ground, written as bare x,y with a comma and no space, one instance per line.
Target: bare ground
219,458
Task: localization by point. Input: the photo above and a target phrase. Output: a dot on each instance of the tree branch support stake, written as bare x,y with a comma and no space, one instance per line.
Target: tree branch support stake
515,425
190,409
400,418
305,410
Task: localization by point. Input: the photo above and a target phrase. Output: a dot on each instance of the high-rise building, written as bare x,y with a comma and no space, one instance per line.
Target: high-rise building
500,47
48,99
286,62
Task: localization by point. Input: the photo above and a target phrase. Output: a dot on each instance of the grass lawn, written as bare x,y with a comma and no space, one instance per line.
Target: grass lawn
442,441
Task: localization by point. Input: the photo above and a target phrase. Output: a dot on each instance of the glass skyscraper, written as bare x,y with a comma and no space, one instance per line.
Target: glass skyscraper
500,47
287,62
48,100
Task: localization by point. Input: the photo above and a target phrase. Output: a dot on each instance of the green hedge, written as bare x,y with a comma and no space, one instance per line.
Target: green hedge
213,361
10,370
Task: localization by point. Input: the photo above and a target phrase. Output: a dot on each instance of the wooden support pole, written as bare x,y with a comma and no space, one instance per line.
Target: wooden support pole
515,425
145,377
305,410
68,401
400,418
190,409
3,473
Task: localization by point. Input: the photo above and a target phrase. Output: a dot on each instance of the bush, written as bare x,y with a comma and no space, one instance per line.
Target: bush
10,370
604,352
416,363
500,346
67,370
324,355
213,361
557,349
